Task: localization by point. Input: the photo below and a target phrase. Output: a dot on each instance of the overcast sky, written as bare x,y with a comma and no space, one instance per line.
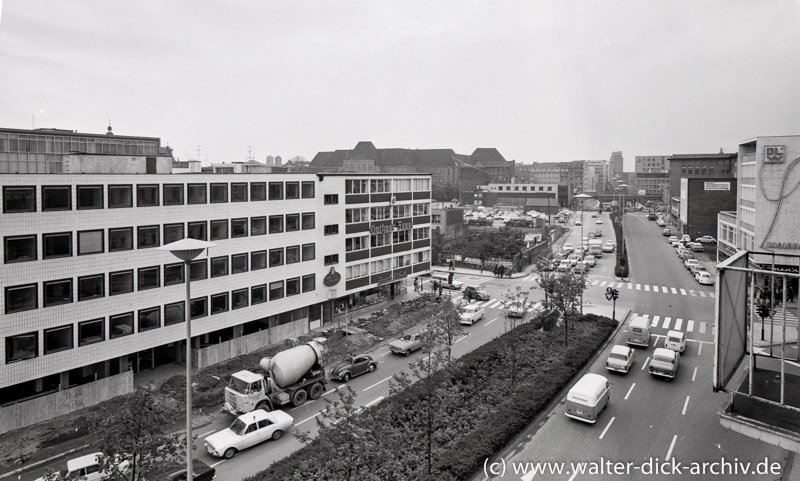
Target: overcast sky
538,80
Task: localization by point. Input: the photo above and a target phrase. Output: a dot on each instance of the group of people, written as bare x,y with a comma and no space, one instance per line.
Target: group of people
418,287
500,271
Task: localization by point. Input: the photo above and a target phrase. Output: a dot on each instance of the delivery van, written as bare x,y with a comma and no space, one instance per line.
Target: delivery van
639,331
676,340
588,397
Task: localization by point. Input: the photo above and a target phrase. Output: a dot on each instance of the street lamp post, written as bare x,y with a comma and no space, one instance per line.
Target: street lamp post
583,198
186,250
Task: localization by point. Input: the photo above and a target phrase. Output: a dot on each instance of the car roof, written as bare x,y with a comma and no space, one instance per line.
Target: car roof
663,351
257,415
590,384
617,349
472,307
83,461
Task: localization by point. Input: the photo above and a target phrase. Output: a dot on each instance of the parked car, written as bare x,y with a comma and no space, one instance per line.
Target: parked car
407,344
651,216
567,247
698,268
685,254
87,467
609,246
352,366
620,359
690,262
248,430
697,247
664,363
176,471
672,239
660,222
517,309
478,293
594,215
667,232
706,239
563,266
443,280
472,314
578,222
685,238
598,233
704,278
598,221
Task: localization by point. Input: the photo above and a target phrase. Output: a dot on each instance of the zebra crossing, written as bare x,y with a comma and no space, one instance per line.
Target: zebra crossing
777,317
653,288
675,324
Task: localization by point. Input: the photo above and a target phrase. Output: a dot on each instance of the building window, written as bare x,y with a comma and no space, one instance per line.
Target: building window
198,230
381,212
382,265
309,283
292,190
56,197
378,186
198,270
19,199
258,226
360,270
120,282
308,252
355,186
275,290
90,332
120,239
58,339
120,325
258,191
149,318
309,221
422,256
197,193
219,193
198,308
240,298
258,260
380,240
404,185
90,197
239,192
402,261
292,222
276,191
331,229
120,196
352,216
399,211
91,287
422,233
292,286
146,196
90,242
57,292
275,224
421,209
276,257
173,274
219,266
258,294
22,347
172,233
330,199
174,314
147,236
20,249
239,227
57,245
21,298
219,229
239,263
400,236
331,259
219,303
173,194
149,278
356,243
292,254
308,190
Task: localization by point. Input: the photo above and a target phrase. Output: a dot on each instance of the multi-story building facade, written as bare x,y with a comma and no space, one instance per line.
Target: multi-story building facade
86,294
569,174
651,164
707,166
545,198
652,185
596,178
616,164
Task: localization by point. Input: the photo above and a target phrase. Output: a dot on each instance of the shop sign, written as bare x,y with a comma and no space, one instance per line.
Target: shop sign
396,276
779,268
642,192
332,278
402,225
774,154
716,186
380,228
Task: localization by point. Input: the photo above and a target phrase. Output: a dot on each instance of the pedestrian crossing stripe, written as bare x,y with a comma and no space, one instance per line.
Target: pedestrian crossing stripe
690,326
647,288
678,324
655,321
702,294
683,292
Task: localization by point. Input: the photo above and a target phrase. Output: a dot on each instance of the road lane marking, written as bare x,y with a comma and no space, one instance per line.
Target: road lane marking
655,321
385,354
594,283
664,289
496,318
619,285
206,434
629,391
307,419
607,426
678,324
700,349
666,322
645,363
685,404
694,374
690,326
379,382
630,286
671,445
460,338
692,293
374,401
647,287
603,283
702,327
638,287
702,294
683,292
674,291
217,463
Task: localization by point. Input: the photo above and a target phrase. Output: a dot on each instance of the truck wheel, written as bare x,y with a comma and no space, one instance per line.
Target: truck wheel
346,377
264,405
300,396
277,435
229,453
315,391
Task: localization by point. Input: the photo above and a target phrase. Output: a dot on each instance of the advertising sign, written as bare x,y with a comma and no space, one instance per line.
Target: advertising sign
642,192
716,185
774,154
777,177
332,278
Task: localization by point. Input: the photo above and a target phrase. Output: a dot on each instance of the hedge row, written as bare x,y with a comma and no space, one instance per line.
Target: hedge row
477,411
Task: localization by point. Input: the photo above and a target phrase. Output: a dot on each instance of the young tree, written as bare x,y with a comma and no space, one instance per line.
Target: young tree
515,307
568,288
445,326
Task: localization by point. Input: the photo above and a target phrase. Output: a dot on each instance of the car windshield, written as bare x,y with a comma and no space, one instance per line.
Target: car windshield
674,339
664,359
238,426
239,386
407,337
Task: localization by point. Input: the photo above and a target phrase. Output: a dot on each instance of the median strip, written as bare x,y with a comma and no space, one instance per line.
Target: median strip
374,401
694,374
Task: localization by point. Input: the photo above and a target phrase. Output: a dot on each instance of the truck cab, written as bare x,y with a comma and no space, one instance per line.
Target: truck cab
244,393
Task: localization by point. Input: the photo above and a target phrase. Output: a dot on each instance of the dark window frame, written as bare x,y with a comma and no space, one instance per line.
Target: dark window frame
190,225
142,229
128,187
259,254
102,294
295,281
269,225
331,199
304,185
166,202
313,279
234,258
295,219
214,189
238,293
174,267
131,322
295,186
331,259
198,301
31,189
241,187
171,305
111,284
212,223
53,235
79,188
279,191
262,229
67,327
10,351
277,262
218,259
27,287
70,300
243,222
46,188
31,238
168,227
147,187
297,254
139,286
262,297
102,241
192,269
101,322
279,291
222,295
313,223
189,191
303,248
331,229
258,186
141,312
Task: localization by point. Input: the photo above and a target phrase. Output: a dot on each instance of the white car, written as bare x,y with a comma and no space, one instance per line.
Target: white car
706,239
598,221
567,247
609,246
691,262
704,278
86,468
620,359
590,261
578,222
661,222
472,314
248,430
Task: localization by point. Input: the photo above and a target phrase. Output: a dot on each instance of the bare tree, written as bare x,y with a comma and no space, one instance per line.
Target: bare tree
515,308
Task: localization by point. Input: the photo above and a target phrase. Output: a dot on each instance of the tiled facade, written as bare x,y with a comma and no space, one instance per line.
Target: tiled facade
83,283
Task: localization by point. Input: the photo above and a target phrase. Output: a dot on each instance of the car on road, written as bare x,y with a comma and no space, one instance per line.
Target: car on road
588,397
651,216
598,233
594,215
248,430
407,344
664,363
443,280
598,221
573,259
685,238
620,359
590,261
690,262
609,246
86,467
517,308
697,247
568,247
706,239
353,365
698,268
672,239
472,314
578,222
563,266
704,278
660,222
676,340
478,293
580,268
667,232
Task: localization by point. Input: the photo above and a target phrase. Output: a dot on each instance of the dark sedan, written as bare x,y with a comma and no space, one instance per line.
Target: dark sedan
353,365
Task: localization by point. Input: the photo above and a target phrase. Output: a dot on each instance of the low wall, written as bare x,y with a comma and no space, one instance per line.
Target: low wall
49,406
210,355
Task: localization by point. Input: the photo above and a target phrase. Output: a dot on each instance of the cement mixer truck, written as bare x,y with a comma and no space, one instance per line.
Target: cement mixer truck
292,376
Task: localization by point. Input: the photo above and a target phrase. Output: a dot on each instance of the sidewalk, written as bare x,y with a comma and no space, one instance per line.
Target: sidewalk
773,329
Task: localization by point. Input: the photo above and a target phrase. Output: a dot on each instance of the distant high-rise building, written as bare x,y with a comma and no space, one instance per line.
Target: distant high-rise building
278,160
616,162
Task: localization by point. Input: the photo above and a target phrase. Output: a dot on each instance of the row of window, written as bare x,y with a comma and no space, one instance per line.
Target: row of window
365,214
377,186
386,238
376,267
61,291
60,244
56,144
60,197
26,346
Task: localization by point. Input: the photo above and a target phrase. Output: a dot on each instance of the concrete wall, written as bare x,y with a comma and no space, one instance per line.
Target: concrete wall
113,164
33,411
239,346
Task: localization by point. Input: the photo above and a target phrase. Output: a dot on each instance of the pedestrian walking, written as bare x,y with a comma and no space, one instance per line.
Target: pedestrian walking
440,289
435,286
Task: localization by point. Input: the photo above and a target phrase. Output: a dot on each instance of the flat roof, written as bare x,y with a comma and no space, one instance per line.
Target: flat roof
74,133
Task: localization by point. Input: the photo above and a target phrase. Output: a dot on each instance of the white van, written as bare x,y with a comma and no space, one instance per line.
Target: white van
639,332
676,340
588,397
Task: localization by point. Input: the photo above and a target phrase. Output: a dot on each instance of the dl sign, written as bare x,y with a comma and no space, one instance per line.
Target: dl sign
773,154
